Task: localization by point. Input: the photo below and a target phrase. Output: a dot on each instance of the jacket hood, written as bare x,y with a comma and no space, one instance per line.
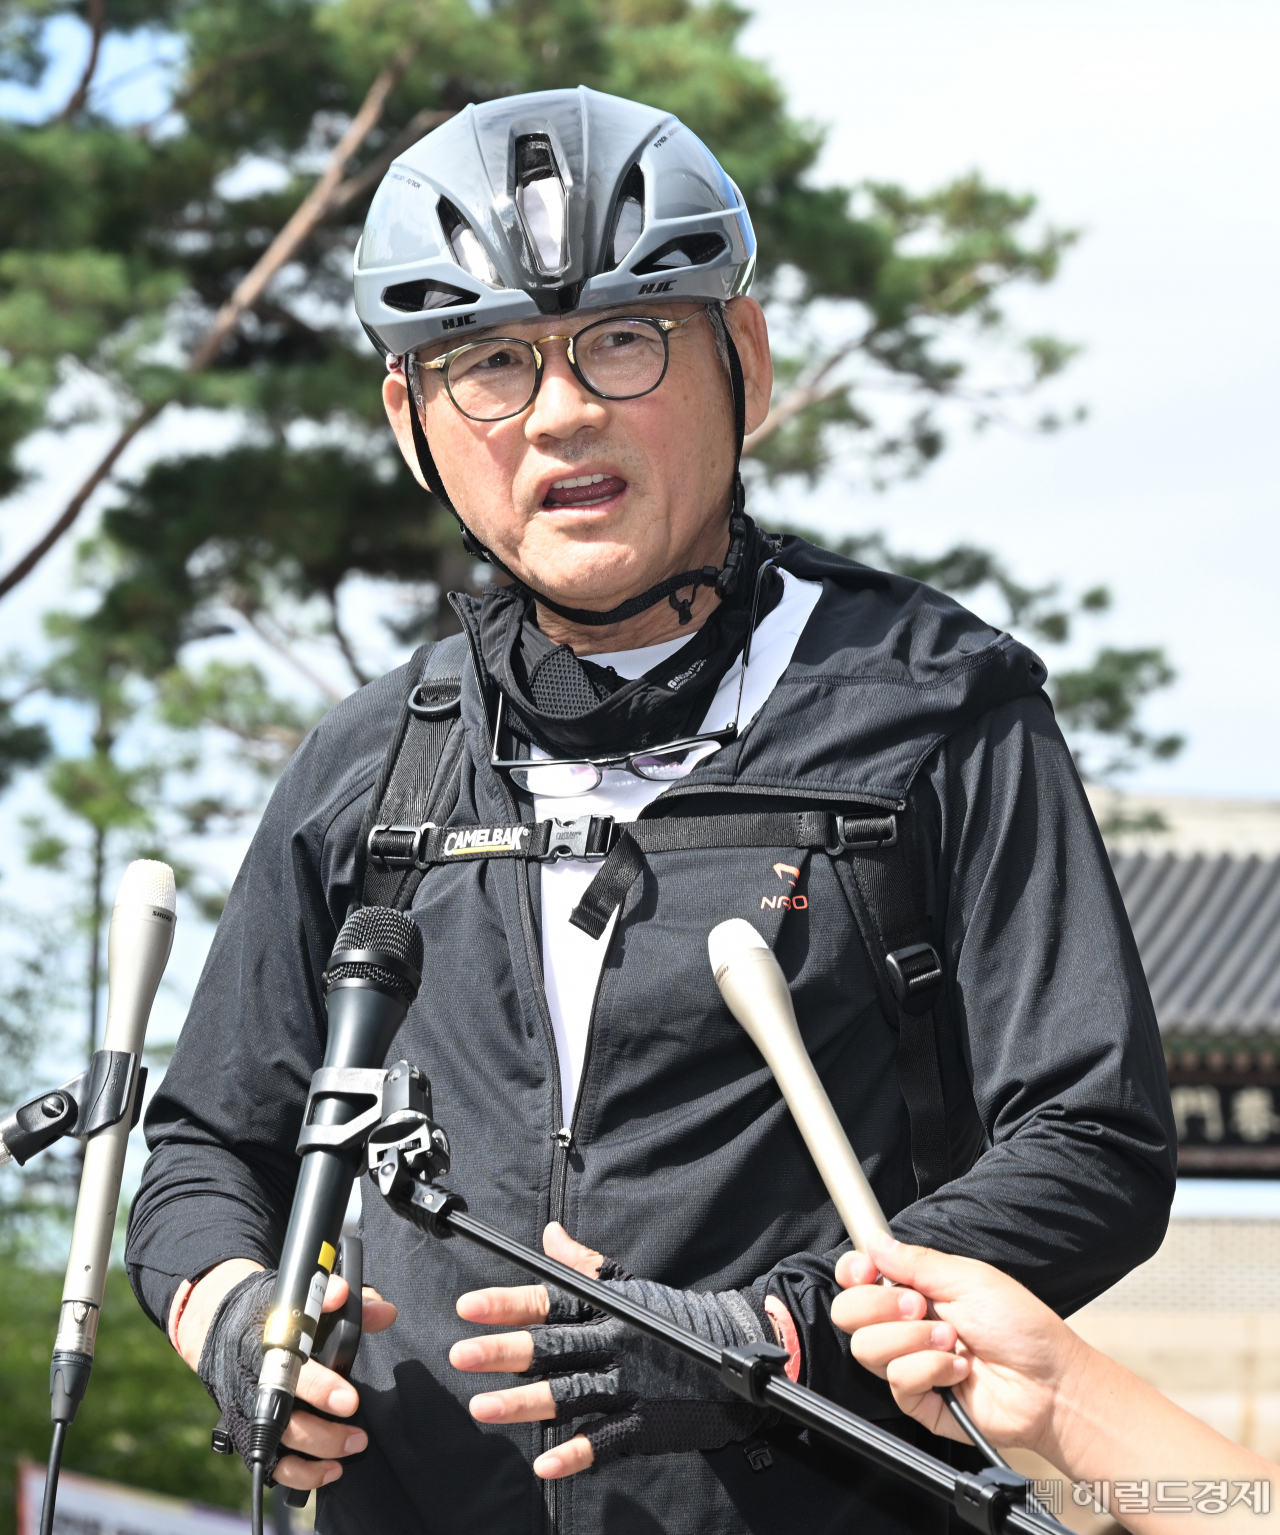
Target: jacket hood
885,670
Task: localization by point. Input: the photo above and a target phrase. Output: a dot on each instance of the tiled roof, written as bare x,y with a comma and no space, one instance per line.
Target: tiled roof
1208,930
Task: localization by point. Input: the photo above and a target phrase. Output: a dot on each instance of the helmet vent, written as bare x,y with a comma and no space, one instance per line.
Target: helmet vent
685,250
413,297
467,250
540,198
628,217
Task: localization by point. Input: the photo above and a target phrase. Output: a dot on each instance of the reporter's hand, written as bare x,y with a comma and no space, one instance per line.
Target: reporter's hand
1003,1351
523,1306
317,1386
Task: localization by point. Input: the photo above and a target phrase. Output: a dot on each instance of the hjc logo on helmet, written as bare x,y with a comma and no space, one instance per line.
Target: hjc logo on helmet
789,873
657,287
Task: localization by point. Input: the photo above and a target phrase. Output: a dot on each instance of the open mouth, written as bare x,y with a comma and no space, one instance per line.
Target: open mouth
584,490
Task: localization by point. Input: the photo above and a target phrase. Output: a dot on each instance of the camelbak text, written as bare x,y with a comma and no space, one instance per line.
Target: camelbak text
485,839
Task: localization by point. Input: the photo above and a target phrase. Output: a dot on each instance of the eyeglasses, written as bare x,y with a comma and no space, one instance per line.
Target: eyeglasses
618,359
566,777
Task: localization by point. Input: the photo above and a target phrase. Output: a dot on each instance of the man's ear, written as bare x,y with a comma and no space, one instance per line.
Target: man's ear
396,400
751,336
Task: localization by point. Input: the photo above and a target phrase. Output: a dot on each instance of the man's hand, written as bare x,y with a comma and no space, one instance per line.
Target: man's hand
523,1306
329,1442
638,1396
1014,1354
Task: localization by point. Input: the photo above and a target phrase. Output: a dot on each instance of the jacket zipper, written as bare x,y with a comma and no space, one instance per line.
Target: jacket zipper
565,1139
560,1138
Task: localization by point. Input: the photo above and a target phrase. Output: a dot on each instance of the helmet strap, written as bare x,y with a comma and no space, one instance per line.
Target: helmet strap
724,580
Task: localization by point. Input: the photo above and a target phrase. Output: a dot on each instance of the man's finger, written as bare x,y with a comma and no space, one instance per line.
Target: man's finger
512,1305
377,1314
565,1460
293,1471
939,1276
871,1305
914,1375
335,1293
324,1388
557,1243
508,1351
855,1268
318,1437
876,1347
519,1404
915,1380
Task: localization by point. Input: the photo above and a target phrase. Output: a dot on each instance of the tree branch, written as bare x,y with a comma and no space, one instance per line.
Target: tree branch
800,398
75,506
310,212
420,123
97,18
274,642
344,644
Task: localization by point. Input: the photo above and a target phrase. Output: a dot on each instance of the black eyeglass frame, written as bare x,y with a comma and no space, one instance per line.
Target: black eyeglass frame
723,737
442,363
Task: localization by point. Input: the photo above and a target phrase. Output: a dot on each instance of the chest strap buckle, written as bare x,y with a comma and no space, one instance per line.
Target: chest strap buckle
587,836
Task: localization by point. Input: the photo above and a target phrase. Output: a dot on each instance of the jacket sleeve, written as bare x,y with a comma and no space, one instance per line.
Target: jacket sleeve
1054,1076
224,1123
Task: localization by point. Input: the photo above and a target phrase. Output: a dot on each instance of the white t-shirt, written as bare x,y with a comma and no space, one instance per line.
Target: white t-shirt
571,961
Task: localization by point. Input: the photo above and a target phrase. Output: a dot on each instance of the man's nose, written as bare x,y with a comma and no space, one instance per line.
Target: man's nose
563,406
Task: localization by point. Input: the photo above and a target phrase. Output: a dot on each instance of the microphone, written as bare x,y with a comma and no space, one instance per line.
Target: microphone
373,976
752,983
138,944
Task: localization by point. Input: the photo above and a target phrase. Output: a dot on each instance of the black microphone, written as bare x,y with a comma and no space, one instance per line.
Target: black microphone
373,976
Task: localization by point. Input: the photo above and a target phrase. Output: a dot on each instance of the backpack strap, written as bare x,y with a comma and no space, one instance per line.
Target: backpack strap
419,774
886,889
619,847
876,856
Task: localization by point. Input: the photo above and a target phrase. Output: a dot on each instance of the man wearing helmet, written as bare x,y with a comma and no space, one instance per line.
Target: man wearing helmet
658,719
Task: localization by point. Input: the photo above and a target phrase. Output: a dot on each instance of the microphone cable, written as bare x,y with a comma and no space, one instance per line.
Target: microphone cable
980,1440
258,1497
51,1478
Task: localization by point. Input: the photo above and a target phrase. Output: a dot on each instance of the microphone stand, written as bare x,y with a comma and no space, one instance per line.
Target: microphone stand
404,1156
85,1105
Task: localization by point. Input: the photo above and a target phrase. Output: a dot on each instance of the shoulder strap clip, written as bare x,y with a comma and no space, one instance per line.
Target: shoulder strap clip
916,976
435,700
859,833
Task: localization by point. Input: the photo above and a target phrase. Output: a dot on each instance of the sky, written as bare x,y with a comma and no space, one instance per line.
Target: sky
1155,129
1152,128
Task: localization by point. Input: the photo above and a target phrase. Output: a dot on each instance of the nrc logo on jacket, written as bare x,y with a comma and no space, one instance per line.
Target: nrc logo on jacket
485,840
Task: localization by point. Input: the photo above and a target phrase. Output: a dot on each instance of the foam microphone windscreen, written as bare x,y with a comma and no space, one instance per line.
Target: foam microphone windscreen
375,931
147,882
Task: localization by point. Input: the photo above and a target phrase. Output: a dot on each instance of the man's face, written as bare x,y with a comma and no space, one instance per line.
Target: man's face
665,460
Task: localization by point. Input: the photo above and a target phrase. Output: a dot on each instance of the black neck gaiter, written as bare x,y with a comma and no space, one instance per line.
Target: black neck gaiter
574,708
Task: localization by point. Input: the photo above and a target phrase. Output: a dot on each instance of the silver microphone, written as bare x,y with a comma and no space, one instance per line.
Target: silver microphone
138,945
752,983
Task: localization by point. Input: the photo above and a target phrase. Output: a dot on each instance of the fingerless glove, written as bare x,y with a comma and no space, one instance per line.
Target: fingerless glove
641,1397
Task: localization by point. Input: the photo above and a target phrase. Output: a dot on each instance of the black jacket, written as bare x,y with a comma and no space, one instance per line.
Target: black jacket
684,1164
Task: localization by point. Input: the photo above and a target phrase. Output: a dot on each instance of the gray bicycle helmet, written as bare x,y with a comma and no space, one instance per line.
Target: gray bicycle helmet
549,203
